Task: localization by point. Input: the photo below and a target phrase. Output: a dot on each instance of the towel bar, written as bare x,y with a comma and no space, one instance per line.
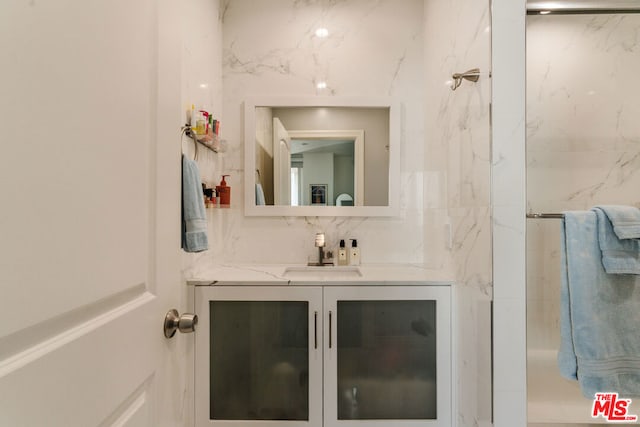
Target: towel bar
546,215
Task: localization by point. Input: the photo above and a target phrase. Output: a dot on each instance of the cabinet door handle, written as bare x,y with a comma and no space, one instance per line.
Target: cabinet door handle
315,330
330,332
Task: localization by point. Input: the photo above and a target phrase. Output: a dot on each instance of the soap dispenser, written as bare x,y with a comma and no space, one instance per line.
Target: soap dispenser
224,192
354,253
342,254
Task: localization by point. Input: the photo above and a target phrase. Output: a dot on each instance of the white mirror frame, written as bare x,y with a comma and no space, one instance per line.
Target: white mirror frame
250,207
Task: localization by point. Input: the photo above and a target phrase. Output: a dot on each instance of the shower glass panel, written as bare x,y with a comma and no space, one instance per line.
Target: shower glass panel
583,149
260,360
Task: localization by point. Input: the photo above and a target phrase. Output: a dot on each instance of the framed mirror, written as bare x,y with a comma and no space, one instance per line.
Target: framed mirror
321,156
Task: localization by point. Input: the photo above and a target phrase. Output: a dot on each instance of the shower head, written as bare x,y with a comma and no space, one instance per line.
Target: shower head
473,75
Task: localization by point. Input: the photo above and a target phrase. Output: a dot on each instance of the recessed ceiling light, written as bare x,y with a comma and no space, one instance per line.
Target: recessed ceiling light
322,32
545,12
321,85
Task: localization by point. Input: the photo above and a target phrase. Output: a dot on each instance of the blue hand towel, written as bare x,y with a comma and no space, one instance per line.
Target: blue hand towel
625,220
599,315
194,218
259,195
619,256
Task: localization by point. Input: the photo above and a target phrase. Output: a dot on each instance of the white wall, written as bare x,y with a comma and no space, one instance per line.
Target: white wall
202,76
318,169
374,122
343,172
508,206
201,84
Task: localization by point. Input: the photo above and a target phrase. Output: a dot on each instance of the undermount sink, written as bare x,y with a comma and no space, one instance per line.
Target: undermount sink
324,271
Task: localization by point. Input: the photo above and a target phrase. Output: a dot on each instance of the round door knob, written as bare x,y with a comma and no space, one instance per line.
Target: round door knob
187,323
175,322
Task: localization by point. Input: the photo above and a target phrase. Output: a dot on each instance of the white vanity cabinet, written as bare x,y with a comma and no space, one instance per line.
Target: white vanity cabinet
323,356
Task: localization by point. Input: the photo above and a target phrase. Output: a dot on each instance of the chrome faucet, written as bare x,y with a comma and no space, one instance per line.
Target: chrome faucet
319,243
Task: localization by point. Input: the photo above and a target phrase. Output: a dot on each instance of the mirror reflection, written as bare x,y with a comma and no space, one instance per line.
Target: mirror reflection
322,156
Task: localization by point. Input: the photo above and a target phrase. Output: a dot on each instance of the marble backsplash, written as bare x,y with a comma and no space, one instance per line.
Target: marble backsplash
270,48
583,139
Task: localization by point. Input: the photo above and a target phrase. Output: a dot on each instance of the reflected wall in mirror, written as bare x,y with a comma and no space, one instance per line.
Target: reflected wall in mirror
323,145
333,157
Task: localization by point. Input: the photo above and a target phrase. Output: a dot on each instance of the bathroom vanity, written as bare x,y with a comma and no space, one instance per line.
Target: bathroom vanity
324,346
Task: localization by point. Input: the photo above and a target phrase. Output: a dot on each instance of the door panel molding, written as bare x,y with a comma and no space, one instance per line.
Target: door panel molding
74,366
135,410
33,342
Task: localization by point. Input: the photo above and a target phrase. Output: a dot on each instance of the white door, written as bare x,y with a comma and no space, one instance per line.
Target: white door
281,164
89,218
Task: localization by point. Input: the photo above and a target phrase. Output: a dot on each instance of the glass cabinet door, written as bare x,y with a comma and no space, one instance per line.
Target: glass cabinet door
264,356
387,355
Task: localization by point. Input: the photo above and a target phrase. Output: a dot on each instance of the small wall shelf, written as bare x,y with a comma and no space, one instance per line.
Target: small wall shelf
210,140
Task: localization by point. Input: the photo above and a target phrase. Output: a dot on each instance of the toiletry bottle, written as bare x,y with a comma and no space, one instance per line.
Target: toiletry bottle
354,253
342,254
208,197
200,127
224,191
192,118
205,119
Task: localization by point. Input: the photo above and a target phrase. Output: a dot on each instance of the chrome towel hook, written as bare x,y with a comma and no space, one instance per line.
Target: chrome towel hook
472,75
186,130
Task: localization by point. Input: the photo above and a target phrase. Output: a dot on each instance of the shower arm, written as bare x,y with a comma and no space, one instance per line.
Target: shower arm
473,75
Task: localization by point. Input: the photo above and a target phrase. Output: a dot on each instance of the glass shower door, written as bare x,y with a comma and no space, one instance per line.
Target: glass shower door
582,151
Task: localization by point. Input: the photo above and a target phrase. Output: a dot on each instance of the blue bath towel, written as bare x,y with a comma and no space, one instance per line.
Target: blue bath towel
625,220
619,256
599,315
194,218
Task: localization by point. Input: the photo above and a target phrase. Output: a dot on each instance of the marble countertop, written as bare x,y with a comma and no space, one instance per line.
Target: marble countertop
287,274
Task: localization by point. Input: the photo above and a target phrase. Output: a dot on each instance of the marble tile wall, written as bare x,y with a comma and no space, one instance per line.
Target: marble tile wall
270,48
583,139
457,187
